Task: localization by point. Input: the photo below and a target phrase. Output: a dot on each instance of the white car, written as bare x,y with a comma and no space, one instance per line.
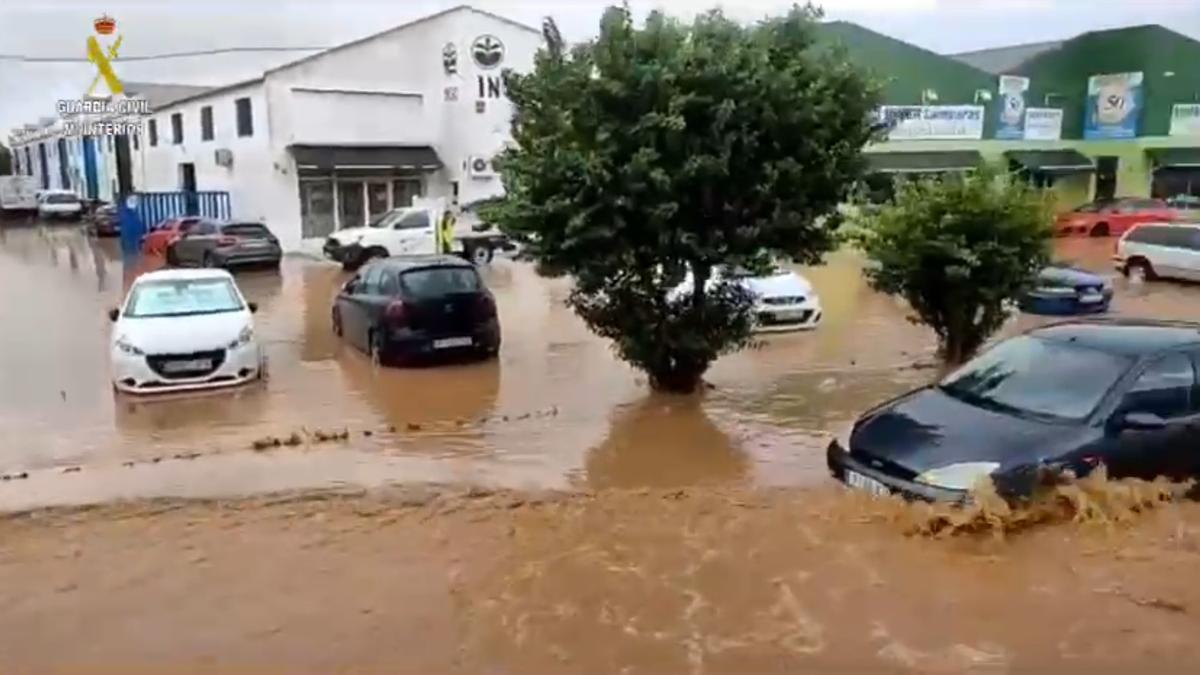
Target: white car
1156,250
784,300
184,330
411,231
59,204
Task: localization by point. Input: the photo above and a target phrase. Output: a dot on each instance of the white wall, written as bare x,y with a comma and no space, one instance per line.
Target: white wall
327,117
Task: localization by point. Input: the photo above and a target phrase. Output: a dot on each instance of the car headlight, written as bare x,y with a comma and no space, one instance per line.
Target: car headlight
961,476
243,338
1055,291
128,347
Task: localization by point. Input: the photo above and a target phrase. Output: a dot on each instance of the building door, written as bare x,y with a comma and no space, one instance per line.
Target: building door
377,199
63,176
187,183
45,166
316,208
403,191
125,167
350,205
1106,177
90,178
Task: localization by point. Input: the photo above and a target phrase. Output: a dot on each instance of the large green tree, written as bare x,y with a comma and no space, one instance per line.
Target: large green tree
654,155
961,250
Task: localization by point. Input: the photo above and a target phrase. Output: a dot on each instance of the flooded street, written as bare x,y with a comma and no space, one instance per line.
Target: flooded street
556,410
625,532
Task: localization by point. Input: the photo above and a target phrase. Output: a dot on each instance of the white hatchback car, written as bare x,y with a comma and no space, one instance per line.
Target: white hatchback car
784,300
1158,250
183,330
59,204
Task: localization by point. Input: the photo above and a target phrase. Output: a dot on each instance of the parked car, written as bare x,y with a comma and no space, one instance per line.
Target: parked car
1159,250
1187,207
409,307
104,222
409,231
218,244
1105,218
182,330
160,236
1070,396
1063,289
59,204
784,300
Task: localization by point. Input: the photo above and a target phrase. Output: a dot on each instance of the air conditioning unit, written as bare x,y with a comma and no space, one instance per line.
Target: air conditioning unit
480,167
224,157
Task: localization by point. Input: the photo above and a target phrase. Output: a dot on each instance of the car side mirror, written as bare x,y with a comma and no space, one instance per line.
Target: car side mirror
252,306
1140,421
114,314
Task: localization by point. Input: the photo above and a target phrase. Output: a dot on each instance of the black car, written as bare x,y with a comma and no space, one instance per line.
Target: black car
105,222
412,307
1070,396
211,243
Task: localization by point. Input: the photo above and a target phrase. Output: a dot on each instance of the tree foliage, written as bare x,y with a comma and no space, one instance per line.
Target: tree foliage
959,250
652,155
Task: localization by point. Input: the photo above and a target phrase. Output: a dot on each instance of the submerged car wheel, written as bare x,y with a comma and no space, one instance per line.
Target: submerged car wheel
375,345
1139,270
481,255
1100,230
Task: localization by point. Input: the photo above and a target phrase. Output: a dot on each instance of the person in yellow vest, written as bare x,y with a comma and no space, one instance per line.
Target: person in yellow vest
445,233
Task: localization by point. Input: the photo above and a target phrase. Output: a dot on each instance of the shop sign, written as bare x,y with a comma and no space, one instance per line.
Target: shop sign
1114,104
1043,124
1185,119
933,122
1011,102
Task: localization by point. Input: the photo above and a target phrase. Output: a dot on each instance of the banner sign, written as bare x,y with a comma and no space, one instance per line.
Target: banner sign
1185,119
933,122
1043,124
1114,104
1011,107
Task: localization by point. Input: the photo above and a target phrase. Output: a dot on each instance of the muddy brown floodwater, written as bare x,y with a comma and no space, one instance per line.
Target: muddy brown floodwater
627,532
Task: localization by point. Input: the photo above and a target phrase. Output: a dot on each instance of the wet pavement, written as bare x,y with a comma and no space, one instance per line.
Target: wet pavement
555,410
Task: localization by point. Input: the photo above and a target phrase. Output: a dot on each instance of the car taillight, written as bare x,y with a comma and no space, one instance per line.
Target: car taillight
396,313
485,307
226,241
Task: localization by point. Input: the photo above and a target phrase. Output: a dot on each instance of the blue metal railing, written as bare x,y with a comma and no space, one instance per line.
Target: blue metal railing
142,210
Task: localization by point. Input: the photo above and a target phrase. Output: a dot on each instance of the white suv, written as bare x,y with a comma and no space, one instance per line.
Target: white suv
1156,250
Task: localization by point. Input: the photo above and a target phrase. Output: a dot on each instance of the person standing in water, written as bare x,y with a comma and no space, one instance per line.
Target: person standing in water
445,233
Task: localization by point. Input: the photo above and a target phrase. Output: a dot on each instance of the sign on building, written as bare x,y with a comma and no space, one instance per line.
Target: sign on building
1114,104
1011,107
1043,124
1185,120
933,122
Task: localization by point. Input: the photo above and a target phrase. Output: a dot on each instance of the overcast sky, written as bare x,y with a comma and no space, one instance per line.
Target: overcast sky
55,28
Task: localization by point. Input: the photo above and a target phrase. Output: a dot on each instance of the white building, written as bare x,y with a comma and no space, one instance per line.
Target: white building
330,140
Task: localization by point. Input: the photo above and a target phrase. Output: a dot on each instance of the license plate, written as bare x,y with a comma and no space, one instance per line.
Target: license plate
447,343
254,244
860,482
1091,298
184,366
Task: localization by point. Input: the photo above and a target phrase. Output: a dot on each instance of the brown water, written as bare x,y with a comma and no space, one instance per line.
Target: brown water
556,409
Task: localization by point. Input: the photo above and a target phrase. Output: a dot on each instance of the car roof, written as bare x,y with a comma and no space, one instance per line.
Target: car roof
1128,337
406,262
183,275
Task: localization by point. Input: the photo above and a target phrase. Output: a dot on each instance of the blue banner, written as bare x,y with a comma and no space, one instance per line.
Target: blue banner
1114,106
1010,107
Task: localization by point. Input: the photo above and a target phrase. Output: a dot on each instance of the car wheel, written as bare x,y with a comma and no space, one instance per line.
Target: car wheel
1140,270
208,260
375,344
481,255
1100,230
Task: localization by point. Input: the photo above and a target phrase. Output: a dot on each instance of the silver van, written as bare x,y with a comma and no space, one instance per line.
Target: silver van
1159,250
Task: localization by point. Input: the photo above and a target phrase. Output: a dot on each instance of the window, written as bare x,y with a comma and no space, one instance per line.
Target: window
177,128
1155,235
437,281
134,136
370,280
152,129
1164,388
413,220
1040,376
206,123
206,227
110,147
245,123
389,285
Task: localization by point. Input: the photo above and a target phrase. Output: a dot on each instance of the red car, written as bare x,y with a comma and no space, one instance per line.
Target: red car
156,241
1113,217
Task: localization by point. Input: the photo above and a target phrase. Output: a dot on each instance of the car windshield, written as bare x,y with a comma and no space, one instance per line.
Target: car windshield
1027,374
61,199
182,297
1089,208
386,219
437,281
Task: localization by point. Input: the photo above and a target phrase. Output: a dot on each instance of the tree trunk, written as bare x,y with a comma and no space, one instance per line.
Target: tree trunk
677,380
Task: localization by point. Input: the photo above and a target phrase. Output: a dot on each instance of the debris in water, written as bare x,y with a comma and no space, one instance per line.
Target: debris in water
413,426
293,440
367,433
72,469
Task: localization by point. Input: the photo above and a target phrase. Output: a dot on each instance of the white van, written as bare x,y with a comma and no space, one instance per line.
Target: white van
18,193
1159,250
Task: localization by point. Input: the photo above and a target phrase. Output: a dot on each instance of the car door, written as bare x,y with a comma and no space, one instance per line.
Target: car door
1166,387
195,241
415,231
1189,252
359,310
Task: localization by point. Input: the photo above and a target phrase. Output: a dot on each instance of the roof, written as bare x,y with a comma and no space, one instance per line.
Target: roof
925,161
1128,337
404,26
176,274
160,94
207,91
1064,161
412,261
1001,60
366,156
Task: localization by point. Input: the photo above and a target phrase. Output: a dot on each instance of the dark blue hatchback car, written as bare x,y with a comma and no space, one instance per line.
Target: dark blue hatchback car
1068,396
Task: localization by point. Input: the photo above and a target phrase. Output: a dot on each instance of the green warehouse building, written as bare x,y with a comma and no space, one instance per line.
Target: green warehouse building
1105,114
